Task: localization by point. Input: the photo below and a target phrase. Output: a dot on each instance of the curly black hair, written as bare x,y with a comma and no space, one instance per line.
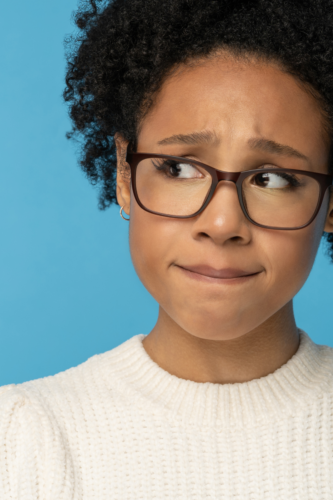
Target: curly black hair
125,49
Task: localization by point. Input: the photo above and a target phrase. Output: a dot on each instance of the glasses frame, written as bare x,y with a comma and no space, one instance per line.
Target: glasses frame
324,181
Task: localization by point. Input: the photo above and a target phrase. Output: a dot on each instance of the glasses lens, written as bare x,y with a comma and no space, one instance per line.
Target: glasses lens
171,187
280,199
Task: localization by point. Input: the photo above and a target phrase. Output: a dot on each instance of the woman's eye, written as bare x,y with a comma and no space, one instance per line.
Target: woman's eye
273,180
180,170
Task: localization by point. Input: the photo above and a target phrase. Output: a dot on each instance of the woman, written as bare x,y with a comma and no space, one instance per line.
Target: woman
210,123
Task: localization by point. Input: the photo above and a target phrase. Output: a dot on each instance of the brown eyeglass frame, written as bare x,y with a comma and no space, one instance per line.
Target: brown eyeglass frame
324,181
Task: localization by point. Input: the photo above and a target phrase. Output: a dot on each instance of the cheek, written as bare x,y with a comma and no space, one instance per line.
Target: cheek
289,257
152,239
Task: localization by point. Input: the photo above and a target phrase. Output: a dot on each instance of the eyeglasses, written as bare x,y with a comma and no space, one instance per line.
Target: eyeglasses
274,198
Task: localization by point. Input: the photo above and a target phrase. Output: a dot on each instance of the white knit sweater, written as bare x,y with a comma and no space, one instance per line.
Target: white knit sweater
119,427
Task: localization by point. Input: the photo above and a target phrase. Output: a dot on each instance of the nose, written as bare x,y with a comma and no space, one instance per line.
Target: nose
223,220
228,176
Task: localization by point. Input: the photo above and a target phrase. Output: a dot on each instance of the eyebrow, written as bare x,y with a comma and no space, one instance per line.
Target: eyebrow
210,137
204,137
275,148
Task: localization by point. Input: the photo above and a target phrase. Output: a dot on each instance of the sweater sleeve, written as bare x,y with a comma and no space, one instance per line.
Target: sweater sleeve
35,463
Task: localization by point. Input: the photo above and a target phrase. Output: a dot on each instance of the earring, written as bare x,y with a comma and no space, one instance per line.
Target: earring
121,214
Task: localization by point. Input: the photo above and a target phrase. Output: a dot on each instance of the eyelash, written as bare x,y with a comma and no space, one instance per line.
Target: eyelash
165,165
290,178
170,163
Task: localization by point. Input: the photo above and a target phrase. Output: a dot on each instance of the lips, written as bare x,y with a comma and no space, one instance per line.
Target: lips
226,273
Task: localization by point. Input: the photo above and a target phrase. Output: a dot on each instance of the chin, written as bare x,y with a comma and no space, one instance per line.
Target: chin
217,327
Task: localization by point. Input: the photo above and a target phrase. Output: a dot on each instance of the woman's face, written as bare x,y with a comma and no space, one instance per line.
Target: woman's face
230,104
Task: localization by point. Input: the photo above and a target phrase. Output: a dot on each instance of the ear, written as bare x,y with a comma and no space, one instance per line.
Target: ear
329,218
123,174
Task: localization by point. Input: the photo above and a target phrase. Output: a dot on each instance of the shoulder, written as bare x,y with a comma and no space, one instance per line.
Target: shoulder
34,459
84,383
323,366
37,420
48,403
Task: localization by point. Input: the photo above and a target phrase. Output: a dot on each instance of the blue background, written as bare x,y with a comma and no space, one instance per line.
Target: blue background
68,289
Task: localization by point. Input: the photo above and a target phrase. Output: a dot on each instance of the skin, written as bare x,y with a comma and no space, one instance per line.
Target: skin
226,330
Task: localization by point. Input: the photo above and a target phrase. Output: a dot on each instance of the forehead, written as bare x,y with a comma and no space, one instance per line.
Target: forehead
236,99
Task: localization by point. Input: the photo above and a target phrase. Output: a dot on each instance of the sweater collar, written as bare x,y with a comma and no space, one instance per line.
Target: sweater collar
296,384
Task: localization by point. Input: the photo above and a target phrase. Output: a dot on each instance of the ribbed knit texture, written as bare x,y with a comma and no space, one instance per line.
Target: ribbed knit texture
119,427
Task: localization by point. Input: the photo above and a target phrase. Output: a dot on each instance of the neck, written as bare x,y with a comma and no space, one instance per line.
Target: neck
248,357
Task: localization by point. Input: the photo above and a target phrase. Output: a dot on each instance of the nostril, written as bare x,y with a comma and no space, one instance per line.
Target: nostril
203,235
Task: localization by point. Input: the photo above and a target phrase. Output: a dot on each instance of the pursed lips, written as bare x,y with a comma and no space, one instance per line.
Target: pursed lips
227,273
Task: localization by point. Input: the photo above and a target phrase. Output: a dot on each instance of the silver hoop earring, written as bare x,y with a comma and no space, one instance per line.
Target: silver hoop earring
121,214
